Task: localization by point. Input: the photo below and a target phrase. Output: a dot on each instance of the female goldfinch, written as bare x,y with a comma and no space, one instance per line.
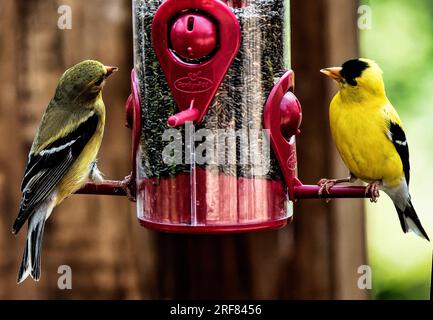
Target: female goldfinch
369,136
63,155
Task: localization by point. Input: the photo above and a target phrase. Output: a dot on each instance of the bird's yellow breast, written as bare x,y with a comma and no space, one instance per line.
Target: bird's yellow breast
360,134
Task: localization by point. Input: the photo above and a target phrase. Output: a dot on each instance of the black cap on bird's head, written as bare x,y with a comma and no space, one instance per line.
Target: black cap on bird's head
85,79
352,69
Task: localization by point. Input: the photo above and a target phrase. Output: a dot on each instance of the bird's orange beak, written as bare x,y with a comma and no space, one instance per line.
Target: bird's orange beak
334,73
110,70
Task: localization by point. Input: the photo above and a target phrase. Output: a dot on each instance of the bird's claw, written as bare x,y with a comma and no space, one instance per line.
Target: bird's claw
128,185
373,189
326,185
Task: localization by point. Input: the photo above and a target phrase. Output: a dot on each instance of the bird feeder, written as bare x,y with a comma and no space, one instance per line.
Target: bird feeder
214,118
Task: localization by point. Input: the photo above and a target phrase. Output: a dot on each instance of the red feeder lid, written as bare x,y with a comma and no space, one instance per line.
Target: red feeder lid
194,29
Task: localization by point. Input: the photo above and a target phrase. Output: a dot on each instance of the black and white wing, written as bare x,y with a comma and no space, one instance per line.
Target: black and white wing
398,138
47,167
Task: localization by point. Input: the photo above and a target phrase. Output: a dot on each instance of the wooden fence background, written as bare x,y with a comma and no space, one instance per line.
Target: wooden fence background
111,256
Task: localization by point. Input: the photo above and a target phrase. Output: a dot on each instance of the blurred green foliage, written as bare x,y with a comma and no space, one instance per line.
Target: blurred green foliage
401,41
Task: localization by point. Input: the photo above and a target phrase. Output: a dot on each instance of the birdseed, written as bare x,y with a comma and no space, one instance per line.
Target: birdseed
239,102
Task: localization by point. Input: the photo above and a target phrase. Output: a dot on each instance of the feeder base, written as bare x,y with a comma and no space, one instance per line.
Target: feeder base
215,229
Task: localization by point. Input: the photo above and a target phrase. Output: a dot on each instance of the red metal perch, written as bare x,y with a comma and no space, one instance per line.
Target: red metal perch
106,188
312,192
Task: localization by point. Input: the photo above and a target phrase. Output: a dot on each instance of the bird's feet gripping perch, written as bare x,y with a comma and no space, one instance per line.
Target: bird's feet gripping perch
327,184
128,184
373,188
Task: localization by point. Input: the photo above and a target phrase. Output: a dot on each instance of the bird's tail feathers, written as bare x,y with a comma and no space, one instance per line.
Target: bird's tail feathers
31,263
410,222
21,219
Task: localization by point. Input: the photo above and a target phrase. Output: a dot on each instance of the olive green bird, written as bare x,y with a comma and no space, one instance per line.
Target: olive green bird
63,154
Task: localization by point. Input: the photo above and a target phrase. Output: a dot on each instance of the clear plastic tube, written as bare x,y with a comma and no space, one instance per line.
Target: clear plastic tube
235,179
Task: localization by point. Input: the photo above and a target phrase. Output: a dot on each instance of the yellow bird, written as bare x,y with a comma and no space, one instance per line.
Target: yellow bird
63,155
369,136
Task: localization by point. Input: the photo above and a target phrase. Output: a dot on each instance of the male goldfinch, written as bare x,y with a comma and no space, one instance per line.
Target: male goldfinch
63,155
369,136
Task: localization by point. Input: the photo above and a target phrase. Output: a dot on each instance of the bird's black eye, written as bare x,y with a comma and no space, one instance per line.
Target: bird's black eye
99,81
